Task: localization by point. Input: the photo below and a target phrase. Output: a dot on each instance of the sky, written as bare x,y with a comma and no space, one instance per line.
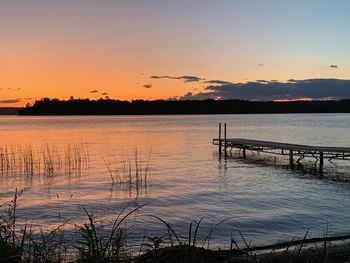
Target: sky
183,49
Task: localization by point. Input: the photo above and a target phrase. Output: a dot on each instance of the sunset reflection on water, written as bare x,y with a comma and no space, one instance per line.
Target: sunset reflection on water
186,179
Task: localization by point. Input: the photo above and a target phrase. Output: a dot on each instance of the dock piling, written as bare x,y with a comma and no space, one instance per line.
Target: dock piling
220,138
225,142
321,162
291,161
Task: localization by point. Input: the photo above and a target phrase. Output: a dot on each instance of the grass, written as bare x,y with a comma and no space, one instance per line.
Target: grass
93,246
101,243
130,174
49,161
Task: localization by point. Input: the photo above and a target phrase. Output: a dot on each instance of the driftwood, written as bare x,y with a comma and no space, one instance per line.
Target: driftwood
296,242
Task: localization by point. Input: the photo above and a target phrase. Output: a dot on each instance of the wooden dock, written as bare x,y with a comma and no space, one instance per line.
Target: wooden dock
279,148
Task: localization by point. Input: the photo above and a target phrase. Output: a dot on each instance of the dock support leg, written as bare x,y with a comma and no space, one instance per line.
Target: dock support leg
225,137
291,162
244,156
220,138
321,162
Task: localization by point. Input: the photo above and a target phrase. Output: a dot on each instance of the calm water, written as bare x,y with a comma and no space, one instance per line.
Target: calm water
187,180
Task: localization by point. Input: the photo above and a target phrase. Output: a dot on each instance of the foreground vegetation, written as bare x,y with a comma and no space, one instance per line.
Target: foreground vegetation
96,242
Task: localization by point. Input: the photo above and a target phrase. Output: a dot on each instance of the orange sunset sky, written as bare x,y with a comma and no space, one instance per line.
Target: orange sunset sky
93,49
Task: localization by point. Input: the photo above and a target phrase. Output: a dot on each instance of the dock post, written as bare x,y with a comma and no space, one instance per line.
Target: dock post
244,156
321,162
225,142
291,162
220,138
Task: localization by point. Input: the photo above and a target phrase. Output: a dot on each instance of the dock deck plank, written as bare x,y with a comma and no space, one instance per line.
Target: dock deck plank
279,145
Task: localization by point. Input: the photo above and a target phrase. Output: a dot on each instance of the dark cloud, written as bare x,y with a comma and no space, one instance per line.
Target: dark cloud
275,90
333,66
260,64
217,82
28,98
189,78
183,78
147,85
93,91
199,96
9,101
104,94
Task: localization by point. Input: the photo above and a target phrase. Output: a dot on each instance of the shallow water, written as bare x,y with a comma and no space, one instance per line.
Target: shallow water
187,179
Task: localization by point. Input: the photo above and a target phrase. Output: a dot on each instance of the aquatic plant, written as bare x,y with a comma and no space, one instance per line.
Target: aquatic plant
48,161
129,173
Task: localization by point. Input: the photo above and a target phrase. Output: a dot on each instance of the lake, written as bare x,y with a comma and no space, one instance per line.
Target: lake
186,178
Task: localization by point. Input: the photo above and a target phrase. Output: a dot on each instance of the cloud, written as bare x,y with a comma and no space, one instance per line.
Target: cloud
260,64
199,96
147,85
217,82
333,66
263,90
9,101
93,91
262,81
185,79
13,89
28,98
104,94
189,78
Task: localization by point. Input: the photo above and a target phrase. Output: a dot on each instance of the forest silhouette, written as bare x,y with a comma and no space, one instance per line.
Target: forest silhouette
72,106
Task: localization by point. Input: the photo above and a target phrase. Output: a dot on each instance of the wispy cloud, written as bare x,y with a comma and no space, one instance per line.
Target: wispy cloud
104,94
183,78
147,85
275,90
9,101
13,89
217,82
333,66
93,91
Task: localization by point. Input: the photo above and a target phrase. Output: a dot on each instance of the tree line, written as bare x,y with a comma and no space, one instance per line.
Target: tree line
72,106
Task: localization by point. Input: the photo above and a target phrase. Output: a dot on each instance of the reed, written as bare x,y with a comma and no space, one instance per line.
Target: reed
48,161
129,173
